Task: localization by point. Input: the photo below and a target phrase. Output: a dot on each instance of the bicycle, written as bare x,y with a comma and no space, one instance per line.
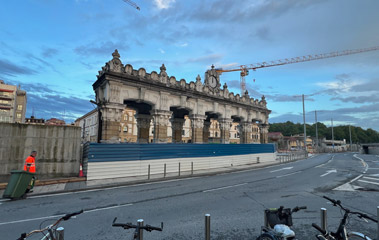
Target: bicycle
138,233
53,232
277,224
342,233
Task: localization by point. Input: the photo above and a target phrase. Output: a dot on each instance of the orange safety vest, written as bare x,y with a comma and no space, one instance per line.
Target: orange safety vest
30,165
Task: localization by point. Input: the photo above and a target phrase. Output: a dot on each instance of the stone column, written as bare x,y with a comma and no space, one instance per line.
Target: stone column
177,128
206,133
143,127
197,124
110,122
263,130
245,129
225,129
161,120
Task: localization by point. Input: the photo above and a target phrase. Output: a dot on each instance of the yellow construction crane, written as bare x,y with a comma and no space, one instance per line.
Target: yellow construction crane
131,3
244,69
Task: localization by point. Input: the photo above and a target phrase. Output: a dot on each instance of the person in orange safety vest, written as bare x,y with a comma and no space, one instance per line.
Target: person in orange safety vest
30,162
30,166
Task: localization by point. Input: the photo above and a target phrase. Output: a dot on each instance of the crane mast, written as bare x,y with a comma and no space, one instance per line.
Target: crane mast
244,69
131,3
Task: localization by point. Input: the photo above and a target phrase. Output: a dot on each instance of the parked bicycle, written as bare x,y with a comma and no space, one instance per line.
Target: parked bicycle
138,233
342,232
53,232
277,224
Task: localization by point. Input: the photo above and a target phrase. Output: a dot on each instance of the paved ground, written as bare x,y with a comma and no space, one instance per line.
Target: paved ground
235,201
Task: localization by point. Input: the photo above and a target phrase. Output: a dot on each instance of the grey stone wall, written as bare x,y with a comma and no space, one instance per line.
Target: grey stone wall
58,149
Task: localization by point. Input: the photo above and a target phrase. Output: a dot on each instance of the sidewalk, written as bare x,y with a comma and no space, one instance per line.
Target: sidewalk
80,184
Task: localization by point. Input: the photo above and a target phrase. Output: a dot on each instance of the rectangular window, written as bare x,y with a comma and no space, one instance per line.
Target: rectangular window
183,132
19,107
18,115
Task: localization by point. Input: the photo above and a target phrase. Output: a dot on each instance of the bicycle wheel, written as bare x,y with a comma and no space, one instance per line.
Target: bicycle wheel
357,236
266,236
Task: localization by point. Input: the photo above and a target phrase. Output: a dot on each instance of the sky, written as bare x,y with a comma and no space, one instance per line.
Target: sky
54,49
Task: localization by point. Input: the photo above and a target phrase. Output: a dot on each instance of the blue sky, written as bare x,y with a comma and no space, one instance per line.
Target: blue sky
54,50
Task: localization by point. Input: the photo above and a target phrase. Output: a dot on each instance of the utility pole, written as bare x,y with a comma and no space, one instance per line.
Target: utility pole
316,131
305,129
332,136
350,138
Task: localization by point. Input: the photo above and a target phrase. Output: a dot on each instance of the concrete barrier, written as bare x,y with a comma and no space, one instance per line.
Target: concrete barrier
58,149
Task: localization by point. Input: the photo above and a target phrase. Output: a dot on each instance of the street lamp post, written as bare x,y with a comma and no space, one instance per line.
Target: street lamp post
305,129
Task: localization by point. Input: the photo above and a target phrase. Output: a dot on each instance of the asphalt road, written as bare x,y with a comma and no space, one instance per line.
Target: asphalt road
235,201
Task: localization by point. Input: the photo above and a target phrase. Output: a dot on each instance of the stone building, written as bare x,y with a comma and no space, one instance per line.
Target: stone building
165,103
12,103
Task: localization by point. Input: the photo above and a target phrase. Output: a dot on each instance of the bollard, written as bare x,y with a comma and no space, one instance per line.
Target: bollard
179,169
148,172
324,220
191,168
207,226
257,159
164,171
59,233
140,230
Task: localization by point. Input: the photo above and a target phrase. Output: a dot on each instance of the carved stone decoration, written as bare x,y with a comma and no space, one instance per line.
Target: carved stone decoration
163,77
192,85
177,127
143,127
160,121
154,76
128,69
225,124
110,117
142,72
197,123
199,85
172,81
115,93
182,83
114,65
245,131
263,130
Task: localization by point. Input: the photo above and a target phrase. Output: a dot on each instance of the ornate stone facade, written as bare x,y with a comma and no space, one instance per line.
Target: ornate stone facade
165,101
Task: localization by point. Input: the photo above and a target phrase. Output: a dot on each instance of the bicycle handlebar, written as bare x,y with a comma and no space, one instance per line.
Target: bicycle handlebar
360,215
297,208
64,218
147,227
319,228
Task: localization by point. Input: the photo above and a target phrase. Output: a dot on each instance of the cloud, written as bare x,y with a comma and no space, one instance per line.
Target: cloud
288,98
163,4
161,51
11,69
206,59
101,48
49,52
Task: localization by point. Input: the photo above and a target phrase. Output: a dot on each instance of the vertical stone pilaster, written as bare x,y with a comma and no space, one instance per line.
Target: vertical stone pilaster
110,122
245,129
143,127
177,128
197,123
263,130
160,121
225,129
206,133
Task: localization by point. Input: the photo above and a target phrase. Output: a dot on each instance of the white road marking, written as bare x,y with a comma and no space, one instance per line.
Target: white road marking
324,163
376,179
103,189
289,174
328,172
363,162
286,168
355,179
368,182
215,189
61,215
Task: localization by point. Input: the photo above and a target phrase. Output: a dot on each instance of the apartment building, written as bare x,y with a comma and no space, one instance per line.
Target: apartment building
12,103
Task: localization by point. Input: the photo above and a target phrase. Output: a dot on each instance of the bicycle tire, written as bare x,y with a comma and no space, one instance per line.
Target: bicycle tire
266,236
357,236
